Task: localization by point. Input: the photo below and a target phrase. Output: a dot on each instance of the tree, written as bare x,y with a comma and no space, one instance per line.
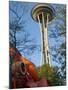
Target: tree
26,43
62,47
52,74
59,35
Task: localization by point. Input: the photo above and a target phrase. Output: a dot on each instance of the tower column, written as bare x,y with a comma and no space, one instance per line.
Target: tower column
42,55
43,13
44,40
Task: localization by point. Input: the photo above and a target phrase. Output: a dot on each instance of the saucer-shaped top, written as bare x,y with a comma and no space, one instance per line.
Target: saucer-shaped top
46,9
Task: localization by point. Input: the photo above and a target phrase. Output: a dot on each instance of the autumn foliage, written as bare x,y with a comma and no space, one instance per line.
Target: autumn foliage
24,72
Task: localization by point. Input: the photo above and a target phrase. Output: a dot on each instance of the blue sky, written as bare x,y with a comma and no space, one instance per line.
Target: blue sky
33,28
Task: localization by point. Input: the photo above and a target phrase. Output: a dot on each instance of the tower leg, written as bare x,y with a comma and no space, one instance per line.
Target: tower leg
45,39
42,57
45,57
48,59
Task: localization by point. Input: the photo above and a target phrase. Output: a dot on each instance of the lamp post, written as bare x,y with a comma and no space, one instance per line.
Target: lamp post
43,13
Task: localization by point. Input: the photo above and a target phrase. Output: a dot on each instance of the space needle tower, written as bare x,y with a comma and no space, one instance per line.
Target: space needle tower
43,14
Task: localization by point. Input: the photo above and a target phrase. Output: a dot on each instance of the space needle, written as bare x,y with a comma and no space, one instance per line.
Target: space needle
43,14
